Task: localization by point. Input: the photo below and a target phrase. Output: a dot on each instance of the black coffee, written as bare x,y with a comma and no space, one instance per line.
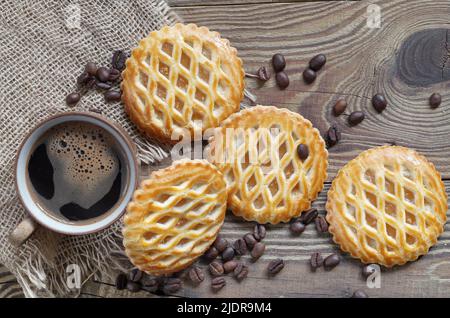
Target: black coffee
76,171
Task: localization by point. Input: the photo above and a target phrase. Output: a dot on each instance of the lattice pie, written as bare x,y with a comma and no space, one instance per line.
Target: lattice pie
256,150
387,206
174,216
182,76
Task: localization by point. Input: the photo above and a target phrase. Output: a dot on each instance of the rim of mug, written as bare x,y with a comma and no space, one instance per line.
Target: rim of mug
132,185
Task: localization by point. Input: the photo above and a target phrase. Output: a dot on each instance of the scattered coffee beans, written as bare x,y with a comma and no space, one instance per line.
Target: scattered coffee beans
379,102
316,260
309,76
250,240
90,68
240,247
321,224
171,285
218,283
359,294
297,227
196,275
73,98
151,285
211,253
241,271
278,62
317,62
118,60
102,74
309,216
220,244
258,251
275,266
331,261
133,287
121,281
302,151
333,136
340,107
113,96
229,266
435,100
135,275
282,80
228,254
216,268
259,232
355,118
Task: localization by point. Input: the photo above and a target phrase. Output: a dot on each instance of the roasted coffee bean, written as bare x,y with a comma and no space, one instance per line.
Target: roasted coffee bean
240,247
151,285
368,270
331,261
309,76
263,73
278,62
228,254
113,96
133,287
95,110
297,227
355,118
216,268
241,271
113,74
435,100
103,85
275,266
333,136
302,151
316,260
220,244
121,281
102,74
91,68
118,60
317,62
259,232
379,102
309,216
171,285
135,275
258,250
229,266
218,283
83,78
196,275
340,107
282,80
211,253
73,98
321,224
250,240
359,294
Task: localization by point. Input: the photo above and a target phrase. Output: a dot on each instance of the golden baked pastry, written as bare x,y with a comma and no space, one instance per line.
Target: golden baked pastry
267,180
174,216
387,206
182,77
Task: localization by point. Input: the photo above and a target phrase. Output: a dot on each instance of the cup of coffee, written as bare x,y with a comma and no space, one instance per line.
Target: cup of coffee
75,173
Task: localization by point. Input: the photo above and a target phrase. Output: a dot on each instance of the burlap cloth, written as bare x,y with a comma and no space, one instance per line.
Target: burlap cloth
43,47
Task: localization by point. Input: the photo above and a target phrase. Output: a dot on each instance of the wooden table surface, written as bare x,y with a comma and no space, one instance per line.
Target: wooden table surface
407,59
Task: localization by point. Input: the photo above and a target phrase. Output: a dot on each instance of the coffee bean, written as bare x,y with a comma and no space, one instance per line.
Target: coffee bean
297,227
121,281
317,62
91,68
218,283
95,110
379,102
113,74
309,216
435,100
103,85
211,253
118,60
135,275
73,98
220,244
331,261
302,151
112,96
83,79
133,287
278,62
275,266
229,266
216,268
250,240
228,254
282,80
359,294
340,107
367,270
241,271
321,224
259,232
258,251
171,285
355,118
333,136
240,247
151,285
309,76
102,74
196,275
263,73
316,260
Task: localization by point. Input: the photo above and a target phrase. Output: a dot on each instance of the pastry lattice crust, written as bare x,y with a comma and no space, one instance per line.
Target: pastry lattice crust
174,216
387,206
267,181
182,77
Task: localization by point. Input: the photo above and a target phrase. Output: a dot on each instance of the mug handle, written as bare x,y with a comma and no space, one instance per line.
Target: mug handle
23,231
